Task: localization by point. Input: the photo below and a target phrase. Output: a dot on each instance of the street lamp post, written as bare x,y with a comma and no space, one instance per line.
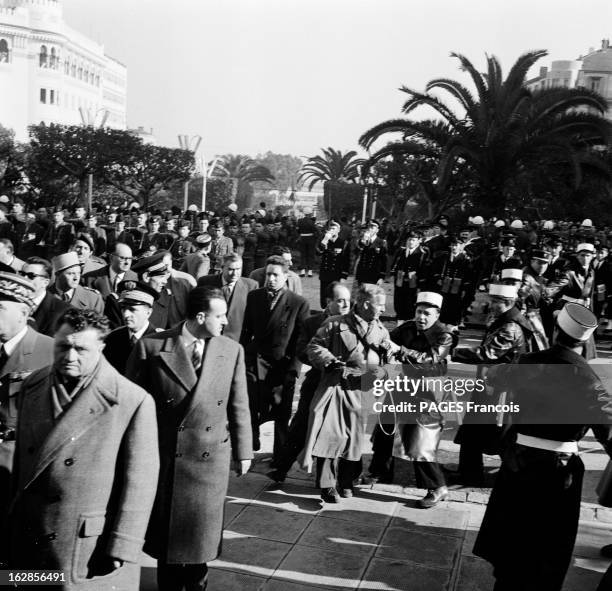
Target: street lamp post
185,142
88,119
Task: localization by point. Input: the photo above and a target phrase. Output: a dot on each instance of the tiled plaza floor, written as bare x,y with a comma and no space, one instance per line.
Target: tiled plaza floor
283,538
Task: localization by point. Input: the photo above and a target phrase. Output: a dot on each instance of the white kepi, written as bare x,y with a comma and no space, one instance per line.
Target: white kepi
577,321
503,291
429,298
516,274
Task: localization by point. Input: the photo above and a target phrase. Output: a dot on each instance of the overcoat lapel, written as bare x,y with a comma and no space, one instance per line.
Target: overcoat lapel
282,306
79,417
174,355
213,360
18,359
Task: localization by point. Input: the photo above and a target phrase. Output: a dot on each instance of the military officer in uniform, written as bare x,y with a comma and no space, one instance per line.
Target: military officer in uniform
22,351
451,274
155,272
183,245
308,235
136,301
67,269
335,259
560,397
505,338
372,256
409,272
425,344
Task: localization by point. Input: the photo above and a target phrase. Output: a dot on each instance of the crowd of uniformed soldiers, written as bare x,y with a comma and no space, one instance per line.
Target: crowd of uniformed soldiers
138,269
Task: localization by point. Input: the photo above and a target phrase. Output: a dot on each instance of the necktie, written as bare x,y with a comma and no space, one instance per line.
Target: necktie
133,339
3,358
197,353
227,292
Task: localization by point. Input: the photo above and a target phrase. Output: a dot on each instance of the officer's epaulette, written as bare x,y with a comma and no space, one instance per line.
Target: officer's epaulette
90,289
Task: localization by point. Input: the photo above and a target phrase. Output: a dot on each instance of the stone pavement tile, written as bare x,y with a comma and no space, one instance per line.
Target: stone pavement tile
247,486
342,536
282,585
393,575
290,496
232,509
362,509
437,551
250,555
271,523
591,538
469,541
476,514
231,581
582,579
474,574
448,519
322,567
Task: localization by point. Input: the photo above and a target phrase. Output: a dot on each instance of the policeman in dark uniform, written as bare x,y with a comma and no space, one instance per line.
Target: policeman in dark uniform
530,525
372,255
507,336
425,344
335,259
136,301
409,270
154,271
182,246
451,274
308,239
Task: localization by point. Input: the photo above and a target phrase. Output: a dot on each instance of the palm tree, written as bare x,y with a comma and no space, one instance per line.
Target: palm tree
503,132
333,169
241,171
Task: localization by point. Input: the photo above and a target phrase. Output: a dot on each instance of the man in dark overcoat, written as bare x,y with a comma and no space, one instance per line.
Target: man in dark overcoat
86,465
273,321
197,379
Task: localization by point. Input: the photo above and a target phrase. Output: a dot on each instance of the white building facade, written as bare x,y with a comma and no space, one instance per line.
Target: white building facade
53,74
592,71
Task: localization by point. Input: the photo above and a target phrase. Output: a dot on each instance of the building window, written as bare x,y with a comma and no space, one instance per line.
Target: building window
594,84
80,73
4,51
52,97
73,70
97,80
43,56
67,67
43,96
53,59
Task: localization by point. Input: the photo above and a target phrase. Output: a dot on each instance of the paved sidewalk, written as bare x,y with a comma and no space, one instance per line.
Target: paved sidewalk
282,538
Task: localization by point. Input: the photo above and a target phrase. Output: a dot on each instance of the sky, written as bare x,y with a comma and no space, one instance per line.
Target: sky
295,76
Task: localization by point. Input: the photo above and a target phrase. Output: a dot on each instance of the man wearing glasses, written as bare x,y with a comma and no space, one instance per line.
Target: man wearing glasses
46,308
107,279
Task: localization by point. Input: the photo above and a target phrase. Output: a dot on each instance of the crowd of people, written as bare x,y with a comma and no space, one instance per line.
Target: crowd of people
142,351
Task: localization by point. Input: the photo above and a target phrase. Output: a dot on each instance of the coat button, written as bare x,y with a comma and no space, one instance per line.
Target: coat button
219,402
181,428
178,455
52,536
68,462
205,454
208,428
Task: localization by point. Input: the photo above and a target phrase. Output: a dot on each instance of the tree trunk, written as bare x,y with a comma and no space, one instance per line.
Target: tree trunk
83,183
234,192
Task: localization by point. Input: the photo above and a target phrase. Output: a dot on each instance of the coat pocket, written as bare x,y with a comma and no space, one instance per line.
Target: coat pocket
89,559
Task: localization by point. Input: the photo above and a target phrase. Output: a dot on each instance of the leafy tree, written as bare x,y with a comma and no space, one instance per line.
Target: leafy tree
284,167
502,132
66,154
334,169
13,158
240,172
150,170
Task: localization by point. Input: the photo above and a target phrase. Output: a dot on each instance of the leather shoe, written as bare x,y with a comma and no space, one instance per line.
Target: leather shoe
346,493
374,479
277,475
330,495
606,551
433,497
